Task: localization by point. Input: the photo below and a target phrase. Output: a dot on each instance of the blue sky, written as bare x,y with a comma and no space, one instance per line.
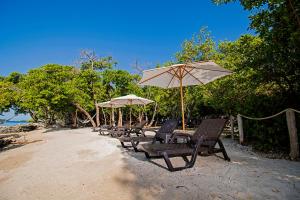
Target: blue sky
34,33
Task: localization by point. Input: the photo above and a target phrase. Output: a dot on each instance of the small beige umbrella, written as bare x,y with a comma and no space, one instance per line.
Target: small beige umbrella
131,99
179,75
109,104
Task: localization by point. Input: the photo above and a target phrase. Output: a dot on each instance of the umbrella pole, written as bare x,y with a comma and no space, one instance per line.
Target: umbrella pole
182,105
111,116
130,118
120,118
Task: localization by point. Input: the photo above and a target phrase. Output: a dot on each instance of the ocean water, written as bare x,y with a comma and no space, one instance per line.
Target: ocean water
13,123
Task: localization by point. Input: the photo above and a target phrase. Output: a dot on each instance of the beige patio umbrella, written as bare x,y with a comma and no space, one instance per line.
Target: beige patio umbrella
131,99
109,104
180,75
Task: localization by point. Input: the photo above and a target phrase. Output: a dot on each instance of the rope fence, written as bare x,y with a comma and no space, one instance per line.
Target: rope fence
291,124
269,117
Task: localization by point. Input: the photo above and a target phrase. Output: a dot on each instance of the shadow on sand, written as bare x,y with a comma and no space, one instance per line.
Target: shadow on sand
211,177
14,145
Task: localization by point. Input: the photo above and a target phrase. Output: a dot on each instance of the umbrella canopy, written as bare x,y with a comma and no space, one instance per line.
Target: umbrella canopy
131,99
179,75
109,104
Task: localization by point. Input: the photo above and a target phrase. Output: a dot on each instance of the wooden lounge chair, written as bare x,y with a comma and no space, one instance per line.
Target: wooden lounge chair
126,130
202,141
137,129
119,130
104,129
160,135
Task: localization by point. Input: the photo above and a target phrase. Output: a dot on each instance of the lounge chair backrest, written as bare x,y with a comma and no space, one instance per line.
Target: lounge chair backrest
168,127
127,125
141,124
210,130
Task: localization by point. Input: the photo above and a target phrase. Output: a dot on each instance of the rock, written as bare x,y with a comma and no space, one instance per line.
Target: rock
18,128
4,143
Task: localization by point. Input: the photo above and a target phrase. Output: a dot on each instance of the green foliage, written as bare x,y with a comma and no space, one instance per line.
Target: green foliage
232,94
14,77
274,64
277,59
7,96
49,93
44,91
200,48
119,83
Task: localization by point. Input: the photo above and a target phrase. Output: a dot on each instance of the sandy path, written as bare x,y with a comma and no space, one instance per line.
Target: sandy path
79,164
66,164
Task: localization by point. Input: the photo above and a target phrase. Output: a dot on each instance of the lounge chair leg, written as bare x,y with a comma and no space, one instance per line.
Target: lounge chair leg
188,164
143,133
185,159
122,143
124,146
168,162
191,163
226,157
134,145
147,155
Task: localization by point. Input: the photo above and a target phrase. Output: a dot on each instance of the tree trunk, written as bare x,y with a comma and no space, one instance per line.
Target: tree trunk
140,116
104,116
97,114
86,114
33,116
120,118
113,116
146,116
294,12
74,119
153,116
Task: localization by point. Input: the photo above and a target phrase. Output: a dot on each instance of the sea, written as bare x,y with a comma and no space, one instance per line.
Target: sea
13,123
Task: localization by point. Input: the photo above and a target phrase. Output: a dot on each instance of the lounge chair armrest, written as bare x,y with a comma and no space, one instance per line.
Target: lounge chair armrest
177,135
150,129
198,143
207,139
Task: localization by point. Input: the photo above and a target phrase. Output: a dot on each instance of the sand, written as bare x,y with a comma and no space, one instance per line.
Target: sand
79,164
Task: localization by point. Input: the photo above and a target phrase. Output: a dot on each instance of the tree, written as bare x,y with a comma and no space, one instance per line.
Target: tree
89,60
200,48
9,92
119,83
277,23
270,71
44,92
92,64
7,96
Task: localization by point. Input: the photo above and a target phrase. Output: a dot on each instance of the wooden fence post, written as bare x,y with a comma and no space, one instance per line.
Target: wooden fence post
232,126
241,131
291,123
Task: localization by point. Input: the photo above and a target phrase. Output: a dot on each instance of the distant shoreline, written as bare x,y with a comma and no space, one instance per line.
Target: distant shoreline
14,123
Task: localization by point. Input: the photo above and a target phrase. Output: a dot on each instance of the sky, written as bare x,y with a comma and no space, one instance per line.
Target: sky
35,33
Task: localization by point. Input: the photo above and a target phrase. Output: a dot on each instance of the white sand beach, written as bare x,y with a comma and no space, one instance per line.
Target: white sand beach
79,164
